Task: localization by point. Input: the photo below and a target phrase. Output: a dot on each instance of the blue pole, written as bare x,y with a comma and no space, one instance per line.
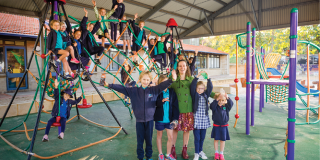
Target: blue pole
248,80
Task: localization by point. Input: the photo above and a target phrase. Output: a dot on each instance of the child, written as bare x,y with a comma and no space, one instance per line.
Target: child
89,42
166,115
65,107
143,105
66,45
141,34
126,36
118,14
192,62
200,95
220,107
162,50
55,45
103,32
125,76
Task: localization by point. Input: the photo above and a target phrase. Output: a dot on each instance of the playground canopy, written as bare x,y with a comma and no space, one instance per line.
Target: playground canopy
195,18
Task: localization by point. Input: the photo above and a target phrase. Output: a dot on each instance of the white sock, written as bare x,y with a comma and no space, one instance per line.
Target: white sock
67,73
221,152
216,151
58,60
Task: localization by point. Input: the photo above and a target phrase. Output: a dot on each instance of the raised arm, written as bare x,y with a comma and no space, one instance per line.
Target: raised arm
74,102
214,105
119,88
209,87
96,12
193,87
95,28
83,23
162,86
229,104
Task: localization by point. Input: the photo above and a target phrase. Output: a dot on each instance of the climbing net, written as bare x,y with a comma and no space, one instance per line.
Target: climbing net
45,85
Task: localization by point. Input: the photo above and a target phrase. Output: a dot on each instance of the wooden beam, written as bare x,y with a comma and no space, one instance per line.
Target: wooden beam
19,11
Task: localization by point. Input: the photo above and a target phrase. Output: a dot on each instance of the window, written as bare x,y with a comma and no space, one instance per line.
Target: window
201,61
214,61
2,69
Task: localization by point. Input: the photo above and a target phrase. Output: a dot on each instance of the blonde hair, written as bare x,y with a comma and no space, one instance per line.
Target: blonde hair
62,23
53,21
141,22
216,96
201,83
145,73
161,78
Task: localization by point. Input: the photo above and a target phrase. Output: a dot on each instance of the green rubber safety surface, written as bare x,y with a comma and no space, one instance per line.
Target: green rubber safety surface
266,140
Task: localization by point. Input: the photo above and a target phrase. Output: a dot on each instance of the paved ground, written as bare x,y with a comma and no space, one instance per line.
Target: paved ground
266,140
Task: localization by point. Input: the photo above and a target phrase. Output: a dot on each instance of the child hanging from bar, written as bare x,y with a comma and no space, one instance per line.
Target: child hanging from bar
79,37
220,107
162,50
143,105
61,110
55,45
103,31
125,79
89,41
166,117
117,15
200,94
192,62
126,36
141,35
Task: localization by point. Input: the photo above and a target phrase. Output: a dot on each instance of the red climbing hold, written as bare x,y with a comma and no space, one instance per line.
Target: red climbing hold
85,104
57,123
43,56
172,23
237,116
236,98
236,80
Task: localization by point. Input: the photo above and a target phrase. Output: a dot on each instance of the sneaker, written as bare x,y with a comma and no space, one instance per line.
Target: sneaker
73,60
203,155
221,157
61,135
161,157
97,61
196,156
45,138
216,156
170,157
72,75
68,76
90,74
55,64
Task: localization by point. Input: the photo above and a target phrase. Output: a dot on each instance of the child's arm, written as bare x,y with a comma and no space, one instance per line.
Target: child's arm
56,90
96,12
193,87
108,15
229,104
49,41
83,23
120,88
209,87
194,58
162,86
123,10
159,102
214,105
175,106
74,102
96,27
167,38
133,24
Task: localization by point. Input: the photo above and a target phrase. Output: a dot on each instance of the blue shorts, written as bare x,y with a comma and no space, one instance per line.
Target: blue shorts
161,126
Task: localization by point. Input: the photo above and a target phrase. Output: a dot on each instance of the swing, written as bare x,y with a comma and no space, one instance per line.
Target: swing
84,101
57,123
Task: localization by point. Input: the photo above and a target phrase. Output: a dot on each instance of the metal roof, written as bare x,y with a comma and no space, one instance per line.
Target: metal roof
195,18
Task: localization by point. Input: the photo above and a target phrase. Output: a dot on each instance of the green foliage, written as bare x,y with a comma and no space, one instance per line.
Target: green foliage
273,41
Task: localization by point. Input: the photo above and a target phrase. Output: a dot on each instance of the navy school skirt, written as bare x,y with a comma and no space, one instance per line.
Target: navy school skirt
220,133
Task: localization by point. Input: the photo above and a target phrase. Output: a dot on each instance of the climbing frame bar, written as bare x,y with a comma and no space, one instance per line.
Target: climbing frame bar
253,72
248,80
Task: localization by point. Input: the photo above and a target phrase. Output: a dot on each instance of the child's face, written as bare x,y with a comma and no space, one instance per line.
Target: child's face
66,96
126,67
152,41
124,18
141,25
77,35
55,26
163,38
145,80
181,57
63,28
200,89
119,1
190,61
90,27
103,12
221,100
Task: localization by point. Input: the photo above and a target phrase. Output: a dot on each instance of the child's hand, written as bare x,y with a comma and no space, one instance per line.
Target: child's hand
199,74
100,18
174,75
106,84
75,44
149,34
94,3
170,32
119,20
135,16
86,12
196,52
88,25
165,100
56,83
115,7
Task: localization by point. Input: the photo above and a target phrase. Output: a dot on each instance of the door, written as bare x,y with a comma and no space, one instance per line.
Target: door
16,65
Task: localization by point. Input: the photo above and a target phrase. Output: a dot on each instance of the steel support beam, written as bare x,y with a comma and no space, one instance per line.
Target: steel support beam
254,13
155,9
221,2
192,5
208,22
259,12
212,16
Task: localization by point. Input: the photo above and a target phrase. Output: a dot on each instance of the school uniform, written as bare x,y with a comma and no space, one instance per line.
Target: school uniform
154,54
200,110
166,112
65,107
104,25
162,51
220,117
140,33
118,14
127,33
54,42
143,102
192,65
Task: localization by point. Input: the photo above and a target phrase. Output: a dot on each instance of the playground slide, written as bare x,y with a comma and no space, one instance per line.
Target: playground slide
299,86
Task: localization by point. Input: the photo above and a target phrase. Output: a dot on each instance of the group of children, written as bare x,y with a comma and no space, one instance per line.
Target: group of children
152,105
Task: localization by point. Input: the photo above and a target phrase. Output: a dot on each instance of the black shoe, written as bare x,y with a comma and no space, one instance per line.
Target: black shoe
97,61
55,64
68,77
89,73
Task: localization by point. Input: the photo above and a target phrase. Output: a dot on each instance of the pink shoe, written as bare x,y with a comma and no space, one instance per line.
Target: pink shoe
61,135
72,75
216,156
221,157
73,60
45,138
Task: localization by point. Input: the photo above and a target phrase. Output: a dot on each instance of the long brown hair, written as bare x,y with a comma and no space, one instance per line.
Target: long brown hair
161,78
188,73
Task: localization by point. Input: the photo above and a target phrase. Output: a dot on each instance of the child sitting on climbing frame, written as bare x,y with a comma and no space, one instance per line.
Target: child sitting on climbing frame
55,45
220,107
66,44
103,32
200,94
141,35
162,50
143,105
61,110
126,36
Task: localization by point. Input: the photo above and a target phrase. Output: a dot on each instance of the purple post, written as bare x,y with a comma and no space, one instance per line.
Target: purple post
248,80
55,3
253,76
292,82
261,87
